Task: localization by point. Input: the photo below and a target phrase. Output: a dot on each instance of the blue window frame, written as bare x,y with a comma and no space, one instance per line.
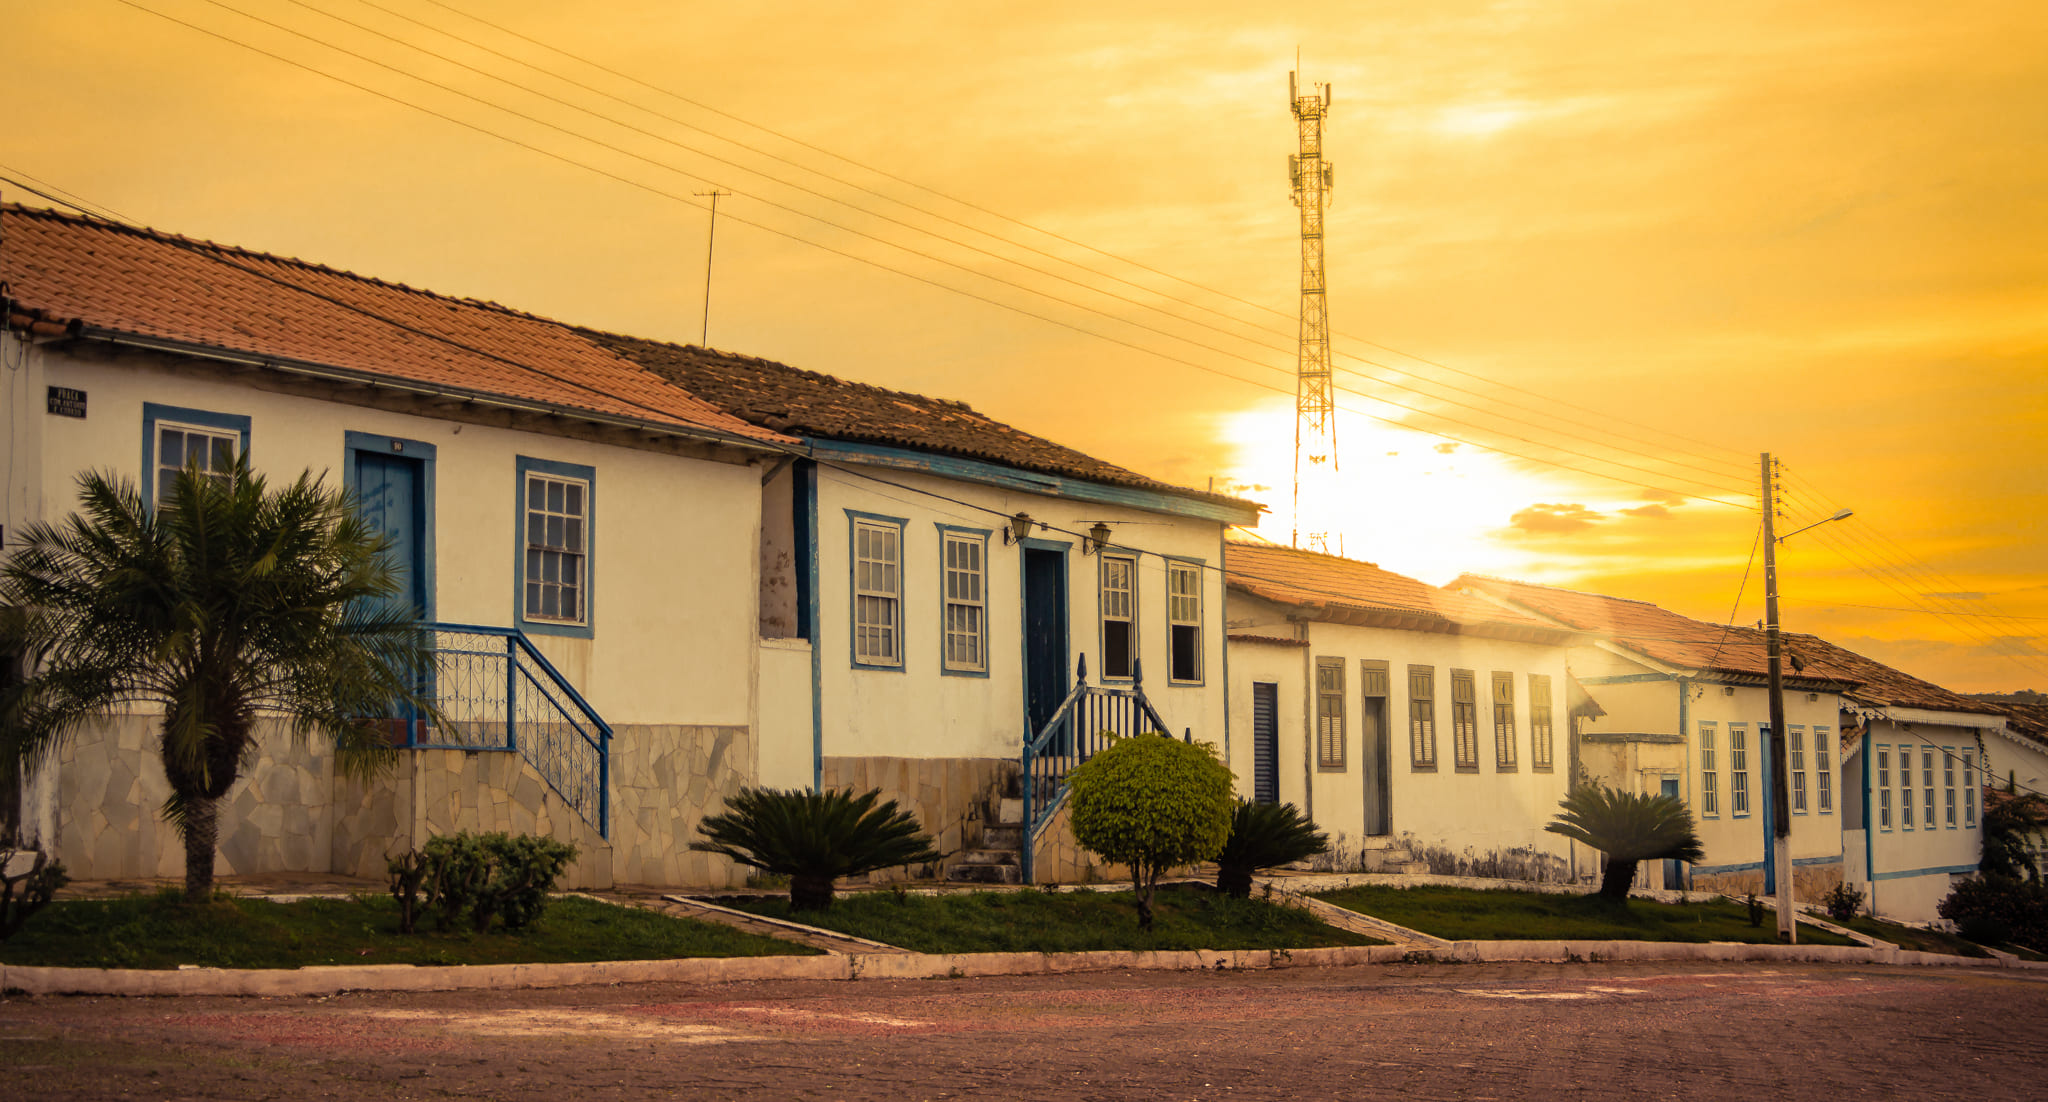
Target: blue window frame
875,590
554,548
963,601
173,436
1185,643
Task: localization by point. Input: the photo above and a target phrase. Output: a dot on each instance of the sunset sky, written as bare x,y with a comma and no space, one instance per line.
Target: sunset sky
1586,259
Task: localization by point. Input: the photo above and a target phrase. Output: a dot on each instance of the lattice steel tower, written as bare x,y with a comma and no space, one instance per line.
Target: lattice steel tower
1315,410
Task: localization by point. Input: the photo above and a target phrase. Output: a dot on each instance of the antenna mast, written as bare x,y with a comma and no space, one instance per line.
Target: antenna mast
1315,411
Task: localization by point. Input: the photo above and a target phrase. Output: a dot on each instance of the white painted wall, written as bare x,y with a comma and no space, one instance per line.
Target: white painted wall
1490,809
785,732
917,711
1910,871
674,592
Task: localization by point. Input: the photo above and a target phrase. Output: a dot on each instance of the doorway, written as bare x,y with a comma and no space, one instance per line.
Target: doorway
1674,871
393,483
1045,635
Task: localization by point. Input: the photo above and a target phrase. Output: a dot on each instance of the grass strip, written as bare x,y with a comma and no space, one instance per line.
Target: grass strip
1918,940
161,931
1469,914
1062,922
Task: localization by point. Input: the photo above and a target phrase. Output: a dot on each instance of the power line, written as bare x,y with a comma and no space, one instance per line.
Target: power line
1626,480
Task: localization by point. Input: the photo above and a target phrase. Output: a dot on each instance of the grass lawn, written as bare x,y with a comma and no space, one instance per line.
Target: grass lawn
1466,914
159,931
1063,922
1908,937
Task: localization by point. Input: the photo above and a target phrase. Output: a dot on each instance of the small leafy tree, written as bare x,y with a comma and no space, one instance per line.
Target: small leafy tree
226,601
1627,828
36,884
1153,803
814,838
1262,836
1997,910
2008,821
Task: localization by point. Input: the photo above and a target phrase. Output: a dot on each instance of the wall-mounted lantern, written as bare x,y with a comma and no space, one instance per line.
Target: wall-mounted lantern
1098,538
1020,527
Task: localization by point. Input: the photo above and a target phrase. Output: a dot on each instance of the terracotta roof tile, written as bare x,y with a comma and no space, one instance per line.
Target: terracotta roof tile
789,399
72,271
1310,579
1882,685
1655,632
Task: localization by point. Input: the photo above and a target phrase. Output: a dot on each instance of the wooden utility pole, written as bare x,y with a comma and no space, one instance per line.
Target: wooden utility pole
1779,868
704,338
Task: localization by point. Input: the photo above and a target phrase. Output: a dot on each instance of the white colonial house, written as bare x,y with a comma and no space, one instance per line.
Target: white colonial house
1420,728
643,597
1688,714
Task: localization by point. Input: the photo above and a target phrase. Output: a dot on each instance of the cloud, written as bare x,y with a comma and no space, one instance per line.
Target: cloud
1446,448
1960,595
1554,519
1663,497
1658,511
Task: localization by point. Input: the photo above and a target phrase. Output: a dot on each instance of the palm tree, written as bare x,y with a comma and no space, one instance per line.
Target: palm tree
225,605
1262,836
1627,828
814,838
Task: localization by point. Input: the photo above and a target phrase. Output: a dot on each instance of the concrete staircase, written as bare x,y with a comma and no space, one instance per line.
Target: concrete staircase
997,857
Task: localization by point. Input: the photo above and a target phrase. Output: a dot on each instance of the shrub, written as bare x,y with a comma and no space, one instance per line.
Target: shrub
37,884
1842,902
1153,803
1262,836
486,877
1627,828
814,838
1993,910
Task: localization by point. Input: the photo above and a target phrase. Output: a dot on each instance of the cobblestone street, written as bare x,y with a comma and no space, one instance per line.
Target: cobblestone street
1412,1031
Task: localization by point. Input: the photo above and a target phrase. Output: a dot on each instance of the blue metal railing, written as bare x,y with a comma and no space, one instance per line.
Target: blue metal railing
1080,728
494,691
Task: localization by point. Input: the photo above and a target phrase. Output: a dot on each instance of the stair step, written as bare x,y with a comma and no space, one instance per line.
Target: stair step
1002,837
988,857
1010,812
976,873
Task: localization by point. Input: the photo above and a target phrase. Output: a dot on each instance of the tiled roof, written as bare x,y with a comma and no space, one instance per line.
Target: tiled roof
1882,685
1332,584
67,273
1658,633
2023,718
792,400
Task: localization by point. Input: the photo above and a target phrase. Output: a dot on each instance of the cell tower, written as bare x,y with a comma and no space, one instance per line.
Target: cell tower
1315,411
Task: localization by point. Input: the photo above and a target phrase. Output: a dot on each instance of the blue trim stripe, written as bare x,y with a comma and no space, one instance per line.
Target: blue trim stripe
1944,870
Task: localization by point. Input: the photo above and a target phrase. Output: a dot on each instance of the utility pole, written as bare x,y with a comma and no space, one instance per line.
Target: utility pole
709,236
1315,411
1779,870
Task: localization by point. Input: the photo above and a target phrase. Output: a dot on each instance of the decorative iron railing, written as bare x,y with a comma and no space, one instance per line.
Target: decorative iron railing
494,691
1080,728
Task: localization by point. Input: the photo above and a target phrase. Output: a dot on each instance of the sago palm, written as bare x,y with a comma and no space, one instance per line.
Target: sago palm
1262,836
814,838
228,606
1627,828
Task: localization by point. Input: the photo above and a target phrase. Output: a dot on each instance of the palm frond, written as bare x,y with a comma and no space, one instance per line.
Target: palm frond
1628,826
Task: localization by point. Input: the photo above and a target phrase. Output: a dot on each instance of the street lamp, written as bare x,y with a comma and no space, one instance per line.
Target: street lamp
1778,871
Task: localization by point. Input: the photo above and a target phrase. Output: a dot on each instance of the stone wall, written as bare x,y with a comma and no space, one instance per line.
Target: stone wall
1809,882
665,779
101,806
951,797
1058,859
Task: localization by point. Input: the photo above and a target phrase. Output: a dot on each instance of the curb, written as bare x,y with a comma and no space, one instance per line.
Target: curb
330,980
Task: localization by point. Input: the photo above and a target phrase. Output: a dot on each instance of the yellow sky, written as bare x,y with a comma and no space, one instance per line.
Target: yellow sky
1665,238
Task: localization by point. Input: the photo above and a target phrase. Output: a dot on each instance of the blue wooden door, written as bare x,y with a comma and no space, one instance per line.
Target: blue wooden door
389,496
1674,871
1045,636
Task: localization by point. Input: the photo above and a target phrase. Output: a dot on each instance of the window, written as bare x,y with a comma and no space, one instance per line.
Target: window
1184,620
1948,789
1824,768
1927,786
1422,718
1503,722
964,559
1884,787
1969,788
1540,746
1796,752
1330,714
1464,721
1119,617
1710,776
173,437
1906,787
877,592
1738,769
556,508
